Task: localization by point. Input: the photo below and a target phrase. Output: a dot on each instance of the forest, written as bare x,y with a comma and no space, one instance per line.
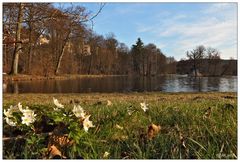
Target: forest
40,39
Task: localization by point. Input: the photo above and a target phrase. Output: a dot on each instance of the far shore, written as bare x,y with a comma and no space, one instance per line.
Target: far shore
27,77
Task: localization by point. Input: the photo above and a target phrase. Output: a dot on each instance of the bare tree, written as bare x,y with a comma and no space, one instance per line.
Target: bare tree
151,52
17,51
76,15
196,55
171,64
9,34
213,56
35,16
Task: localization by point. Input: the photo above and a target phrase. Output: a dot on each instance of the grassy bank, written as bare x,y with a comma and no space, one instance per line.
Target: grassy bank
23,77
186,131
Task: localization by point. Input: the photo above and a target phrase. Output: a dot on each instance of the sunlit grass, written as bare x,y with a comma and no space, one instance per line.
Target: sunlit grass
185,133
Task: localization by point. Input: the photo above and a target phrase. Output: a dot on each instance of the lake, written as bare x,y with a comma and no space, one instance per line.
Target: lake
164,83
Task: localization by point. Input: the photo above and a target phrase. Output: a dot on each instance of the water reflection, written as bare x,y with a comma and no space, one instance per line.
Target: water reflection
167,83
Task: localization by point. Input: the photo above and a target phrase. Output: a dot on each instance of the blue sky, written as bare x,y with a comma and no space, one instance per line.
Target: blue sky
172,27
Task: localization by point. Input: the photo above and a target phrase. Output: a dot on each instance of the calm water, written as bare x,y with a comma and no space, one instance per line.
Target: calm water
169,83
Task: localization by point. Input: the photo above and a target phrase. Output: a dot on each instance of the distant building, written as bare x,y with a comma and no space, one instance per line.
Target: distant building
43,40
86,50
69,47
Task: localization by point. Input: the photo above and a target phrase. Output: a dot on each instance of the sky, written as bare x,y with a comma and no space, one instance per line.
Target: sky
173,27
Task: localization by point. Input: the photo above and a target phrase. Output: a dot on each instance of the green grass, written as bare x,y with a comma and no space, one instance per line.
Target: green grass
179,114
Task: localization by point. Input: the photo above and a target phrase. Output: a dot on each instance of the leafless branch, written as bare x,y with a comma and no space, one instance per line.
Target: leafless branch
99,11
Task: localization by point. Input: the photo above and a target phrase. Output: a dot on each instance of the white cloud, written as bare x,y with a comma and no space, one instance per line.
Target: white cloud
215,26
226,53
160,24
143,28
219,7
161,45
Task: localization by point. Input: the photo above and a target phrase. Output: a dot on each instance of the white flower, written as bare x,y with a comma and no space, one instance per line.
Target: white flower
28,116
10,122
106,154
55,101
8,113
78,111
109,103
26,111
87,123
130,112
119,127
20,106
144,106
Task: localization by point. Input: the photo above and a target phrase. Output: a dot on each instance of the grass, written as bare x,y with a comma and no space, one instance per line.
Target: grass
25,77
185,133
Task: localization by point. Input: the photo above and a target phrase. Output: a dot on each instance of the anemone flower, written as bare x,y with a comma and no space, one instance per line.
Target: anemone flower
78,111
144,106
55,101
106,154
87,123
10,122
28,116
9,112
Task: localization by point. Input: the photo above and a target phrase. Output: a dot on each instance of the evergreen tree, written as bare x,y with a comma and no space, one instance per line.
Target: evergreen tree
138,56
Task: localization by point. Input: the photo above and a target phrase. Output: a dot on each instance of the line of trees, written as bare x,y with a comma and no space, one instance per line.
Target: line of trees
200,53
206,61
40,39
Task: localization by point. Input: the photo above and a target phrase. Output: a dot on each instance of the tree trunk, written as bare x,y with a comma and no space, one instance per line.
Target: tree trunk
61,54
143,65
194,68
30,43
90,65
14,69
30,51
215,67
59,60
4,56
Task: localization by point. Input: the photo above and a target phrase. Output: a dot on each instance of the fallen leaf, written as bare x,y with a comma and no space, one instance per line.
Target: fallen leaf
153,130
109,103
54,153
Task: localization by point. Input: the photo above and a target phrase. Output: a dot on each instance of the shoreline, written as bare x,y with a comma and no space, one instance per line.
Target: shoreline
25,77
